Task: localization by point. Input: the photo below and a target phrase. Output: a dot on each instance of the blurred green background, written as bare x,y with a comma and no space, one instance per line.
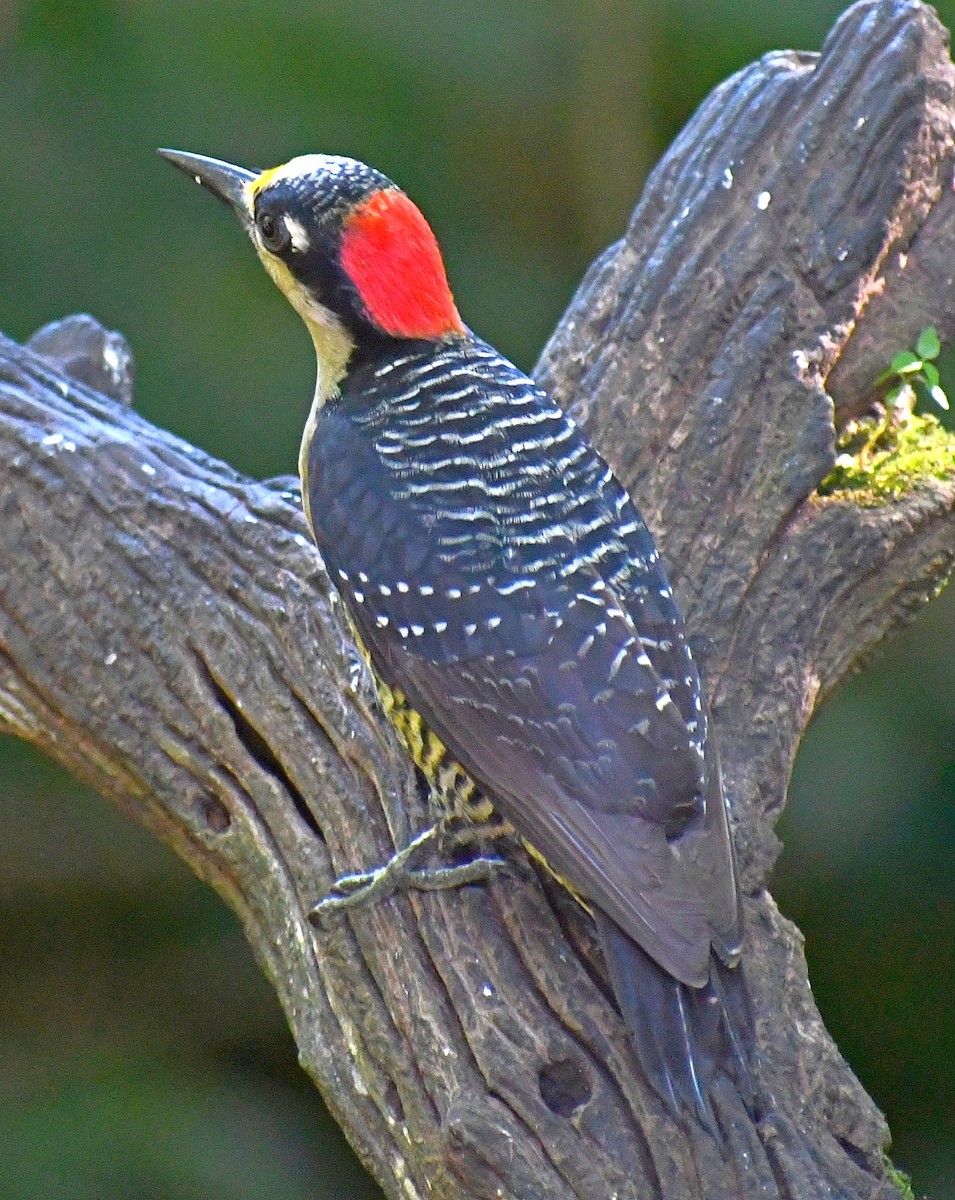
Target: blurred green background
141,1053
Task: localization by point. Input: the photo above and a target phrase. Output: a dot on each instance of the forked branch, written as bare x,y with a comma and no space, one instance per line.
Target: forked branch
167,632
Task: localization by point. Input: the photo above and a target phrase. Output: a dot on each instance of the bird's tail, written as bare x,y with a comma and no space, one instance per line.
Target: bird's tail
685,1038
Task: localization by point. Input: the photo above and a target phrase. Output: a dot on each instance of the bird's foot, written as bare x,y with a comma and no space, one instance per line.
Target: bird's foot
400,874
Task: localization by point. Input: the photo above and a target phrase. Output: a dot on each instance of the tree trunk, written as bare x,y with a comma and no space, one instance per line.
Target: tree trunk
168,632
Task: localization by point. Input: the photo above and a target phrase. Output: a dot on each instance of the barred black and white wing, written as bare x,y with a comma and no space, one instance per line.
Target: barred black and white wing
592,766
487,556
501,579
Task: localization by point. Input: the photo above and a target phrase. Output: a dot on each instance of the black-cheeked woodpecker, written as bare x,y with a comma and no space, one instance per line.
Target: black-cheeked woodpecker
509,597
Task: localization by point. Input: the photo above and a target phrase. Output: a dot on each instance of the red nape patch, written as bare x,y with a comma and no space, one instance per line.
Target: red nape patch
392,257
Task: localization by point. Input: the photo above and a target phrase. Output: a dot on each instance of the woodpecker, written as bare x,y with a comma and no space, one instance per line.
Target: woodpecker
511,602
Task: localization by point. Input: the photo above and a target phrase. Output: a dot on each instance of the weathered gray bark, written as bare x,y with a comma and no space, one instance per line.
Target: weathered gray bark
168,633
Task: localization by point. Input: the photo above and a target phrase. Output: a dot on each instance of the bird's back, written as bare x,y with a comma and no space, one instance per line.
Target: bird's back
502,581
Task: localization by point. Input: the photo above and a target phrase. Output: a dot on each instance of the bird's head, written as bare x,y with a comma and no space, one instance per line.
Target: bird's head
348,249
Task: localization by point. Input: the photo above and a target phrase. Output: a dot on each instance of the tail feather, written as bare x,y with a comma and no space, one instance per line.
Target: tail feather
685,1038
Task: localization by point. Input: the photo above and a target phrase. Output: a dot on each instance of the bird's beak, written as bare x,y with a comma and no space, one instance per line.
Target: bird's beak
230,183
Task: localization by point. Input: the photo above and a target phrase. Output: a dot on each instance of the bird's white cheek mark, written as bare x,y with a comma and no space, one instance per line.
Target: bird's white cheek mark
298,234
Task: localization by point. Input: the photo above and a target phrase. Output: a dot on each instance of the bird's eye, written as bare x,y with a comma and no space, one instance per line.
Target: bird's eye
273,232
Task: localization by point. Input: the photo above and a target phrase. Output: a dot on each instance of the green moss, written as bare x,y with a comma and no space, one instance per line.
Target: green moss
899,1179
880,461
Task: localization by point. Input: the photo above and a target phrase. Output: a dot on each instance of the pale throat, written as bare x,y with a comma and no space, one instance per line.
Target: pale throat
333,348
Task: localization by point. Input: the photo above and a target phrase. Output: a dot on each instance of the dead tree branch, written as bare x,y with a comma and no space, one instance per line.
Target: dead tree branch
168,633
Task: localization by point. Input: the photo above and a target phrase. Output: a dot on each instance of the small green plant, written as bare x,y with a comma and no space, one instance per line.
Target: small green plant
911,375
880,456
912,372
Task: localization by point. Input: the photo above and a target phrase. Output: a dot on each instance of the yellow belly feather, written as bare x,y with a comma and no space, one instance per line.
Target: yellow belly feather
453,788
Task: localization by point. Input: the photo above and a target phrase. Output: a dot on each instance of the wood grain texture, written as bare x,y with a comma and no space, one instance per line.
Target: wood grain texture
167,632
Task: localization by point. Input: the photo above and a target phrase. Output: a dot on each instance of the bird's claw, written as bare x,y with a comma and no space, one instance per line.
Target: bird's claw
399,874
